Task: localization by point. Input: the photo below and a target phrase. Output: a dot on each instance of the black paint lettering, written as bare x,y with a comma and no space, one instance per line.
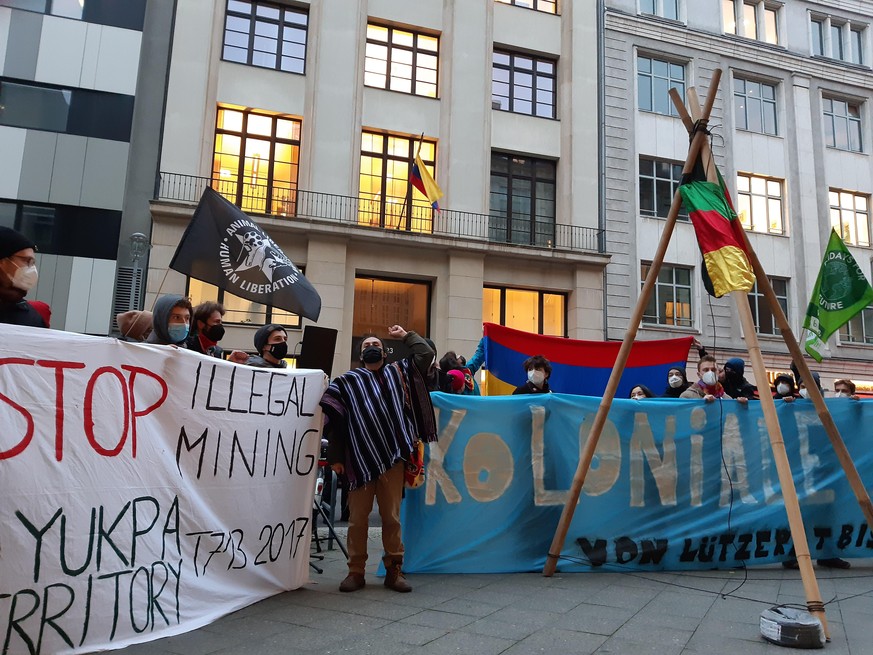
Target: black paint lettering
50,620
845,536
15,620
38,534
201,441
652,551
64,566
104,535
137,530
762,537
595,553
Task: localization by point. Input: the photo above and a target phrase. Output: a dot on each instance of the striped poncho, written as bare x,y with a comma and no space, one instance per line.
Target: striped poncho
378,416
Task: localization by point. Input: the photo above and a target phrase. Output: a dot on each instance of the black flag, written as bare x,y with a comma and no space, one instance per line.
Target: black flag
224,247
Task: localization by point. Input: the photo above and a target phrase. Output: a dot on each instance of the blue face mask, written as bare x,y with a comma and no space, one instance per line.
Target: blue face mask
178,332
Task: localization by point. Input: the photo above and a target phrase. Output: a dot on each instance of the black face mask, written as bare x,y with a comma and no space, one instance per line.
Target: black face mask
371,355
214,332
279,350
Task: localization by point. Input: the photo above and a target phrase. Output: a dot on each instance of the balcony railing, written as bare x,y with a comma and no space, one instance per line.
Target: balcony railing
391,214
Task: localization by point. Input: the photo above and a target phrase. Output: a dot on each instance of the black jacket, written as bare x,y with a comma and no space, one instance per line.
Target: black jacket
20,313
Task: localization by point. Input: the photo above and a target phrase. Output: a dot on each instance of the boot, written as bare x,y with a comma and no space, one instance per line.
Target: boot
353,582
394,578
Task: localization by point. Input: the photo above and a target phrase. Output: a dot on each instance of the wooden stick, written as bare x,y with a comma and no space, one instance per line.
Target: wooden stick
783,468
587,455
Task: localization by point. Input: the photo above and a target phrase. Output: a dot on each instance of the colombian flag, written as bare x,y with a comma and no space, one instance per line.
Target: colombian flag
420,178
719,235
578,367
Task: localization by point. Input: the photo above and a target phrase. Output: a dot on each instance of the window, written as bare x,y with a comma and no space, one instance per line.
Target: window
837,38
382,301
655,78
662,8
540,312
547,6
850,217
755,106
70,111
842,124
523,84
387,197
522,200
765,321
256,159
240,310
759,203
752,19
400,60
859,329
670,303
659,179
129,14
265,35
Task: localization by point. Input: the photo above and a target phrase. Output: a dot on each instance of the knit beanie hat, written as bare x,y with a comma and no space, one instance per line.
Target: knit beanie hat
263,334
737,365
11,242
456,380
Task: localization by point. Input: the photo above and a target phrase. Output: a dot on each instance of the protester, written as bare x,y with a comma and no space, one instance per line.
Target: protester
641,391
538,370
376,414
171,319
44,310
845,388
135,325
18,275
677,382
271,343
455,381
735,384
783,388
208,329
707,386
802,388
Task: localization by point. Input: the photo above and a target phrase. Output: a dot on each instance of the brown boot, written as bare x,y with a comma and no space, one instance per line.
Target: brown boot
394,578
353,582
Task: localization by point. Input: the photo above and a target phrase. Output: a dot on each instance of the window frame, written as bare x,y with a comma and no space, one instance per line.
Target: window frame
220,297
761,9
822,44
513,72
763,104
651,83
533,235
674,181
282,25
831,137
392,61
536,5
862,320
658,9
837,211
768,199
541,301
757,300
655,299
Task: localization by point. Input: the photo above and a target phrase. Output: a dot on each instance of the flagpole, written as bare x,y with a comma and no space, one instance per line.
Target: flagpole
771,420
697,142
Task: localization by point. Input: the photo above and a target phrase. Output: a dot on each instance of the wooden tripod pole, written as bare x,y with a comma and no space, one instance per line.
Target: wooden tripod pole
697,142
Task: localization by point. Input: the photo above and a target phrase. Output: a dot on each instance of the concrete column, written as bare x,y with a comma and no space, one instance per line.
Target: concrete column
585,310
326,271
462,327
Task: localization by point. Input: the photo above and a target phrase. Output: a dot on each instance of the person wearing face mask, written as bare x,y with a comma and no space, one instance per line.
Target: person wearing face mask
735,384
640,392
18,275
538,370
376,415
707,387
845,388
802,388
171,320
271,342
677,382
784,388
207,330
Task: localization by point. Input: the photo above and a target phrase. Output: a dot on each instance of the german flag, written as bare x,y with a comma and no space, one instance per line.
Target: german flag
719,234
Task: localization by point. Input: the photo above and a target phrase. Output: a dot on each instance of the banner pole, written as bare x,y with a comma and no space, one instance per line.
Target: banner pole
697,142
783,468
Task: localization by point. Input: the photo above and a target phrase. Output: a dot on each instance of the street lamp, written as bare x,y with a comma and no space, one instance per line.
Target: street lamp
139,246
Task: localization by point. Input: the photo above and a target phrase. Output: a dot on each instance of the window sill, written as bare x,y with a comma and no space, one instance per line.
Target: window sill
657,113
265,68
745,130
519,113
684,330
842,62
758,42
766,234
854,152
403,93
663,19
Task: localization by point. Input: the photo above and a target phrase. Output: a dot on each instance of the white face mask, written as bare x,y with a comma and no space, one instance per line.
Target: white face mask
536,377
841,394
675,381
782,389
25,278
709,378
804,393
638,396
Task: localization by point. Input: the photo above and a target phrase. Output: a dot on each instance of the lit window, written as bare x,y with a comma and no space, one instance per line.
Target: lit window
240,310
380,302
850,216
662,8
265,35
752,19
655,78
539,312
522,200
765,321
256,159
842,124
859,329
400,60
659,179
755,106
670,302
387,198
523,84
759,203
547,6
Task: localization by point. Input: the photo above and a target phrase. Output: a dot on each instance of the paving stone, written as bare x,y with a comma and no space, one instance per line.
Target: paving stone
436,619
463,643
557,640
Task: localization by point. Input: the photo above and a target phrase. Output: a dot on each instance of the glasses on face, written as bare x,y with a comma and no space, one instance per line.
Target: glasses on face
22,261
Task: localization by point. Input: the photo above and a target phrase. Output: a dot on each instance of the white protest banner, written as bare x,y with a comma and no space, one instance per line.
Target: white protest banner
147,490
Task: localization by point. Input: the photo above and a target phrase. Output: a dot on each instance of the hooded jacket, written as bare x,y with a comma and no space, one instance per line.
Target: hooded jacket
161,321
735,384
675,392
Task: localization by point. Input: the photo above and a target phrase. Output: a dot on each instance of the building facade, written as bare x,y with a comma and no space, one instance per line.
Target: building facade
791,133
308,116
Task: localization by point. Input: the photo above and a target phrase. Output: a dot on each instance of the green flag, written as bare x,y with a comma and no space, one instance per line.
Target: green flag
841,291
